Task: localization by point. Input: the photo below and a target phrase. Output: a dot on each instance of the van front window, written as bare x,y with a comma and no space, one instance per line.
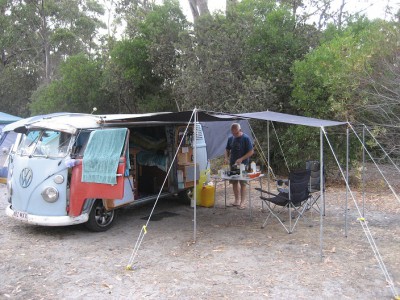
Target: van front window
45,143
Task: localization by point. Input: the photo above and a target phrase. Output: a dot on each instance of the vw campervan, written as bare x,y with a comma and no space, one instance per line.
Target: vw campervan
67,169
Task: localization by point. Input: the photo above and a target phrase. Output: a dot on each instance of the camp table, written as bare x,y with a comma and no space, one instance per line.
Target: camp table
247,179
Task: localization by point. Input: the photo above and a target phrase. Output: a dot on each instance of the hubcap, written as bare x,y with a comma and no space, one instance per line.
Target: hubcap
103,217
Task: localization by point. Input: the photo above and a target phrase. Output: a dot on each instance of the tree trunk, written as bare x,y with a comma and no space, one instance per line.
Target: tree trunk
198,8
3,57
340,16
193,8
203,7
46,45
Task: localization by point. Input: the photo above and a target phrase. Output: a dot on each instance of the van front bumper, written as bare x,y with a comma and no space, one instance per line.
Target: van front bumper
46,220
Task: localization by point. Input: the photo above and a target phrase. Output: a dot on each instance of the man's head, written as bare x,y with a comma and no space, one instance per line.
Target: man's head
236,130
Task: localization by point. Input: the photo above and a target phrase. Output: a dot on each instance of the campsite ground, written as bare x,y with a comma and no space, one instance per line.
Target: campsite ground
232,257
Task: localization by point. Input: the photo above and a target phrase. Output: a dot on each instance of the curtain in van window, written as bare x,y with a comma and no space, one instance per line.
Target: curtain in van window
102,154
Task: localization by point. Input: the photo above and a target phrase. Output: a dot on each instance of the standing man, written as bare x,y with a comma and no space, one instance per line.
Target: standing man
238,150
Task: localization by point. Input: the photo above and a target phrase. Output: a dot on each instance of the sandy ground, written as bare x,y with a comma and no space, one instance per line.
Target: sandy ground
231,258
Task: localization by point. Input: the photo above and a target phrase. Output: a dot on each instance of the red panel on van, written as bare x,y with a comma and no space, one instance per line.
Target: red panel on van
80,191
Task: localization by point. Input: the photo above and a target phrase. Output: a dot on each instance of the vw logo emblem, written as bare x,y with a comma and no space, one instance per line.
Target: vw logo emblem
25,178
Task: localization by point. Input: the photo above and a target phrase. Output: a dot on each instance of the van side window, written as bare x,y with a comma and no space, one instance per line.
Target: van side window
80,144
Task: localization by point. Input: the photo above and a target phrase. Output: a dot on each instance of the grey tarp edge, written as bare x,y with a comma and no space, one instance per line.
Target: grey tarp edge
172,117
289,119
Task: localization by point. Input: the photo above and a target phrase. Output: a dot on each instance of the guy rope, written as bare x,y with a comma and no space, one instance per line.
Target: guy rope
364,224
143,231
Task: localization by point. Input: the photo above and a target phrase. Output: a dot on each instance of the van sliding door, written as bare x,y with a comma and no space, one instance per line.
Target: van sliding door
101,174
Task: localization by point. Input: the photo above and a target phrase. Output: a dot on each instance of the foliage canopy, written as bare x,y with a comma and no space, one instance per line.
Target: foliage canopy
259,55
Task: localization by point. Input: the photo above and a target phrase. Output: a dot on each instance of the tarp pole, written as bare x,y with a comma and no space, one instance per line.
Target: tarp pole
321,188
363,171
347,180
268,162
195,177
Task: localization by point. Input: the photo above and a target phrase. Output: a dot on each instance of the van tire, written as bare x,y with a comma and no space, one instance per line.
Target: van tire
100,219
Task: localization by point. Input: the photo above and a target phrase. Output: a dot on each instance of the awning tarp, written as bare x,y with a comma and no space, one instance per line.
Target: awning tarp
176,118
289,119
182,117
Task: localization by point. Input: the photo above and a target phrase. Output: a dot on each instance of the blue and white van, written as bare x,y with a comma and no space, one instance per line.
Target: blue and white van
68,168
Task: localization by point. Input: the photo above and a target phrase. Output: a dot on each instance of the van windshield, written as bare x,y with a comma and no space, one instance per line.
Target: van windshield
44,143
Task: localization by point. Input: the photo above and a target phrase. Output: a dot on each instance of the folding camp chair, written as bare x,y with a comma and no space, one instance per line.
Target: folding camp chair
315,184
292,199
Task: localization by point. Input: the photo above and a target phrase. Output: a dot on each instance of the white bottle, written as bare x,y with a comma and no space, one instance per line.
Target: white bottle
242,169
253,167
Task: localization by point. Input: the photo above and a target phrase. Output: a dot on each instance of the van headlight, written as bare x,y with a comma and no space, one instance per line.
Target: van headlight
50,194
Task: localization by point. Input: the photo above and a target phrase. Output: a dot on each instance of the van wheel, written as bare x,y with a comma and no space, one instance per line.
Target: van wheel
186,196
100,219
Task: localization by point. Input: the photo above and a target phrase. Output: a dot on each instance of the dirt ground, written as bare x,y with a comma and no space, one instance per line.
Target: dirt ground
231,258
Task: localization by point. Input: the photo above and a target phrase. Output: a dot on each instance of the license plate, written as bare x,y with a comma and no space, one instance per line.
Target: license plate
20,215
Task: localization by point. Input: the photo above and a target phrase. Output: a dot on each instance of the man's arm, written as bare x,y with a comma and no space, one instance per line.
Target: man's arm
227,154
244,157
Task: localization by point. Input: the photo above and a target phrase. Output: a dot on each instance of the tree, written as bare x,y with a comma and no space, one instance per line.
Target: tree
16,86
51,29
229,4
273,42
198,8
78,89
132,12
143,66
243,59
379,87
133,80
213,72
343,78
18,72
38,35
326,82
